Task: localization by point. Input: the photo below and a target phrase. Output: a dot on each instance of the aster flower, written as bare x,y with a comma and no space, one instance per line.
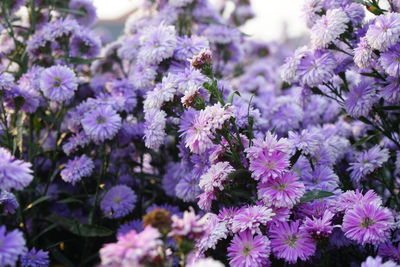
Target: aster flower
367,162
251,218
209,262
291,243
391,92
367,223
118,202
157,43
390,251
131,248
321,178
350,198
14,173
142,75
329,27
377,262
58,83
384,32
310,9
187,188
101,123
390,60
288,70
85,44
205,200
306,141
363,54
214,231
154,133
319,227
12,246
283,191
75,141
35,258
8,202
215,176
246,250
16,95
86,7
136,225
187,47
360,99
76,169
316,67
189,226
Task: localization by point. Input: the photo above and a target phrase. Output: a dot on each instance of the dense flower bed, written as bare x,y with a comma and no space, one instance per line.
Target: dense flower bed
187,143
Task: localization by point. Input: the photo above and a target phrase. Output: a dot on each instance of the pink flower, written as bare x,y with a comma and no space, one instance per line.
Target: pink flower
251,218
190,225
215,176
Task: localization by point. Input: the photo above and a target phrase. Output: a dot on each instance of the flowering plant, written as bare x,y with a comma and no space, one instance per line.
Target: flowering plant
187,143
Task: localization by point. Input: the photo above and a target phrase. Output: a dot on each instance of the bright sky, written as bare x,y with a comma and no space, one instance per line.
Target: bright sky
271,16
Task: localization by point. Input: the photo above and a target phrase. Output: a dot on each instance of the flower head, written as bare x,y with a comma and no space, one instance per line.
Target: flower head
12,245
319,227
77,168
246,250
58,83
251,218
384,32
86,7
215,176
14,173
118,201
35,258
8,202
377,262
190,225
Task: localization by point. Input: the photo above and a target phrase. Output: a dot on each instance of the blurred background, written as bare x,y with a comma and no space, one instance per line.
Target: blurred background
275,20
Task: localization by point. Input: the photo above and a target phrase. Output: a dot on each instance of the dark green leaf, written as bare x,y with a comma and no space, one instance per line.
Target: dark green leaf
364,139
81,61
71,11
230,97
37,201
313,195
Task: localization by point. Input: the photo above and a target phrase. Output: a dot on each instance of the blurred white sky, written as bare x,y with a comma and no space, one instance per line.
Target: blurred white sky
272,16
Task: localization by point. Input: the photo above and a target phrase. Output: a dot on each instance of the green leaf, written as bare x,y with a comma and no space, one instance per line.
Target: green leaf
70,200
364,139
240,174
81,61
37,201
71,11
231,95
78,228
313,195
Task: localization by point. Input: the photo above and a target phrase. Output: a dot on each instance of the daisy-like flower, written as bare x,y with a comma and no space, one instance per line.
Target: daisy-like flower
131,248
102,123
209,262
246,250
316,67
306,141
214,231
187,47
58,83
190,225
288,70
367,162
367,224
350,198
310,9
118,202
35,258
12,246
8,202
329,27
154,133
390,60
90,15
321,178
363,54
157,43
291,243
283,191
391,92
77,168
251,218
14,173
378,262
384,32
360,99
215,176
319,227
125,228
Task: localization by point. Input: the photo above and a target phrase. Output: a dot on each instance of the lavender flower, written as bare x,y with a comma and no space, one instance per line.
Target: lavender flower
367,223
319,227
377,262
349,199
329,27
12,246
384,32
250,218
35,258
101,123
154,134
14,174
290,242
58,83
360,99
215,176
390,61
247,250
363,54
187,47
8,201
118,202
76,169
84,6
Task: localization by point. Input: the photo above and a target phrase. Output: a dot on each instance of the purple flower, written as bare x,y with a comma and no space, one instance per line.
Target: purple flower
390,60
367,162
291,243
360,99
101,123
85,44
319,227
246,250
316,67
187,47
322,178
377,262
251,218
76,169
187,188
329,27
12,246
215,176
310,9
58,83
350,198
189,226
388,250
283,191
8,201
157,43
384,32
154,133
25,99
391,92
363,54
14,173
367,223
84,6
136,225
306,141
118,202
214,231
35,258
